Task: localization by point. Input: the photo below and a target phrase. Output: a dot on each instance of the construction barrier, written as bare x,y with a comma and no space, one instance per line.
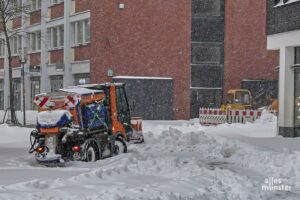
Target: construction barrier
209,116
212,116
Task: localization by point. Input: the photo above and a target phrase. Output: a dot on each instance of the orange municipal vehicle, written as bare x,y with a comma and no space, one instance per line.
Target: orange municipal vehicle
84,123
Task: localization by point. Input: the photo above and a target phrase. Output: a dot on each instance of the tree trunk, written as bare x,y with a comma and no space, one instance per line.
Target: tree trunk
11,89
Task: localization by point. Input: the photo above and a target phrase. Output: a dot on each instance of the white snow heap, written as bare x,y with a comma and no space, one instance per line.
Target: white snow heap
52,117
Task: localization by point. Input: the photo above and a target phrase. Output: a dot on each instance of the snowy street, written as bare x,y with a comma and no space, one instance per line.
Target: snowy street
179,160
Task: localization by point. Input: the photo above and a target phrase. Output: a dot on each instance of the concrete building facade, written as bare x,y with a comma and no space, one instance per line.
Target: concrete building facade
55,33
283,30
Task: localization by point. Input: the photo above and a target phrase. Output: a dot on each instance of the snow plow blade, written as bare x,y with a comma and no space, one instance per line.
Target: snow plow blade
50,160
137,135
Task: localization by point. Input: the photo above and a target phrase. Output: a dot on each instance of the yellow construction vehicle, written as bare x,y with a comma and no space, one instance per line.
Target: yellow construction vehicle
238,99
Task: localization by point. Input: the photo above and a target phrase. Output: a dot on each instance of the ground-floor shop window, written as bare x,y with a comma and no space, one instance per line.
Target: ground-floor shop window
297,55
80,79
17,93
297,93
35,89
56,82
1,94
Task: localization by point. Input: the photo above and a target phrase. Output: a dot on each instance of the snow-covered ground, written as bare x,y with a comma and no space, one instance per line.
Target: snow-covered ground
179,160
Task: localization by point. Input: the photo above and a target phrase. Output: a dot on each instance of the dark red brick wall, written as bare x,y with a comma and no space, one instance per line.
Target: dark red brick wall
35,17
57,56
246,56
35,59
1,63
82,53
57,11
15,61
82,5
17,22
147,38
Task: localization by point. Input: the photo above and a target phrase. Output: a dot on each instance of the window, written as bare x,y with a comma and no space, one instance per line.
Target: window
81,32
56,1
35,41
35,5
81,79
35,89
57,37
17,92
56,82
17,3
297,92
297,55
1,94
2,47
15,43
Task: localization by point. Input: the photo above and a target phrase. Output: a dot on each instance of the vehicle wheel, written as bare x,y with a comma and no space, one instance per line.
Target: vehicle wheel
92,153
121,146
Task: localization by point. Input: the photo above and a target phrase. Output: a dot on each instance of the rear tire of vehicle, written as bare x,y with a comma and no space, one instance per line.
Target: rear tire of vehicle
120,145
92,153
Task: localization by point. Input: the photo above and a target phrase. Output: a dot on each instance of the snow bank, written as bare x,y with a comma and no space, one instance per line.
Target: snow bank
9,134
179,160
30,116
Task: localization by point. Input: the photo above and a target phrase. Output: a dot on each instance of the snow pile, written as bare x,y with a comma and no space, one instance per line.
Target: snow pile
9,134
179,160
30,116
53,117
267,117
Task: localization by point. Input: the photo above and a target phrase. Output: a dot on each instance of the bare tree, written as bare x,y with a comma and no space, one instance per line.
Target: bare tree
10,9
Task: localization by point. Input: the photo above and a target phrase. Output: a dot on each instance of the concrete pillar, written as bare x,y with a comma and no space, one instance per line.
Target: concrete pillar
68,77
45,79
286,92
25,43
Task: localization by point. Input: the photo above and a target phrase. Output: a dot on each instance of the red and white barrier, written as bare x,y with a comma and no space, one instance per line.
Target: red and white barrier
212,116
41,101
208,116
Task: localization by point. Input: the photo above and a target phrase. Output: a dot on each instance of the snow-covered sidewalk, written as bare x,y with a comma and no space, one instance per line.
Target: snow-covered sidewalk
179,160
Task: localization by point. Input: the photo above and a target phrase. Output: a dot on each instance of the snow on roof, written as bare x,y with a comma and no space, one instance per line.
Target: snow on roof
81,91
141,77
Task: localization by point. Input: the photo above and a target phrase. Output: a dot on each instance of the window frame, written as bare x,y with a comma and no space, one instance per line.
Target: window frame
2,48
15,44
297,53
37,38
55,2
37,6
57,37
81,30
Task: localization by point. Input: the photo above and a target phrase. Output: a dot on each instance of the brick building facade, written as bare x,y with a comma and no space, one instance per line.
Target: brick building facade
145,39
248,64
175,56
